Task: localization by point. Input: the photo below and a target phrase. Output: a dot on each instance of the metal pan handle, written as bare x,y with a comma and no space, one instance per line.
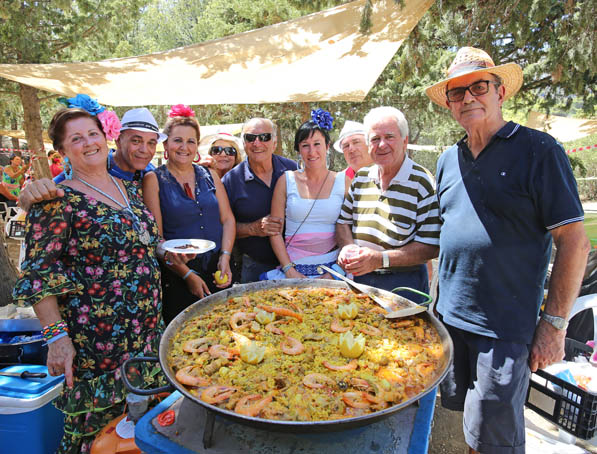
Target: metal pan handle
418,292
141,392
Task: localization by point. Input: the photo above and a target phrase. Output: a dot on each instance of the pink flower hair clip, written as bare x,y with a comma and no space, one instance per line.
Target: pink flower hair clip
181,110
110,124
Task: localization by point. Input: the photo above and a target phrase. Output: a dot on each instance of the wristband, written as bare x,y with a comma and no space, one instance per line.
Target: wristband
55,338
286,267
188,273
385,259
225,252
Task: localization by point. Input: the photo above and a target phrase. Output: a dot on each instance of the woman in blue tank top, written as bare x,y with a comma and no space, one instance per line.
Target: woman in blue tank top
189,202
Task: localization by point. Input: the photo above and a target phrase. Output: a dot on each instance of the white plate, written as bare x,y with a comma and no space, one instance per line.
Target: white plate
194,246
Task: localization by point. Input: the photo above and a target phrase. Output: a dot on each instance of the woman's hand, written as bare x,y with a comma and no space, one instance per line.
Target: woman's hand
60,359
197,286
292,273
224,268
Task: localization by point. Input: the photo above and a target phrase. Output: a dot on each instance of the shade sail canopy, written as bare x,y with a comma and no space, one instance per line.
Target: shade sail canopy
564,129
319,57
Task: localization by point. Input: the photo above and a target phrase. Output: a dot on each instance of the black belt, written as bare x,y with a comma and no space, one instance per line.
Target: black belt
397,269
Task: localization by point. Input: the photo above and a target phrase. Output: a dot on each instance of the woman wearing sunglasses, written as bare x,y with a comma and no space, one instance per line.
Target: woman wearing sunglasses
309,200
226,150
189,202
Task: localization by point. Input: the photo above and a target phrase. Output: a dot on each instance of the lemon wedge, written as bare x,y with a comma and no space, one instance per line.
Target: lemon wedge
350,346
252,352
264,317
348,311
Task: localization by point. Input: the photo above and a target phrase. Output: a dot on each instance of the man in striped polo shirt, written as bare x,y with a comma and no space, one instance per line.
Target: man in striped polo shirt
388,226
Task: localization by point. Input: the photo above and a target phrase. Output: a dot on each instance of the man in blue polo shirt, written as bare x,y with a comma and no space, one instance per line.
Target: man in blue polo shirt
250,186
505,192
135,148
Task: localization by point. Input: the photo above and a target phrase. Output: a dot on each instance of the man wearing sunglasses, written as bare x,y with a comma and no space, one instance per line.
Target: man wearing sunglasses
505,193
250,186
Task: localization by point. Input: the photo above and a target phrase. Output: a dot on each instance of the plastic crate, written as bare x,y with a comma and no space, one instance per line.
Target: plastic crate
566,405
16,229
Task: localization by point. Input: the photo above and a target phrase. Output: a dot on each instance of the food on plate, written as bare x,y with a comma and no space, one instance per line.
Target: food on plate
185,246
287,354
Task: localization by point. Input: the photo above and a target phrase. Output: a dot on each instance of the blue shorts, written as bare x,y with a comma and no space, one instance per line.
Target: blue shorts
488,380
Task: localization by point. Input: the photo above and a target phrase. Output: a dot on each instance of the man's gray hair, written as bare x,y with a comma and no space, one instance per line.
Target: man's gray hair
379,113
266,120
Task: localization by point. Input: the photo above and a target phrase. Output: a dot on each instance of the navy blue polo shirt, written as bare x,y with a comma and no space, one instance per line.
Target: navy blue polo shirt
116,171
251,199
497,211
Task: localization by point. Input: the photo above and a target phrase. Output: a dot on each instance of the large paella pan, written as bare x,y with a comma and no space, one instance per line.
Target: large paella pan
282,355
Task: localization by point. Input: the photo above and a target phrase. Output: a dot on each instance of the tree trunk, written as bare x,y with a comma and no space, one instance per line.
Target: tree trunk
14,126
33,131
7,271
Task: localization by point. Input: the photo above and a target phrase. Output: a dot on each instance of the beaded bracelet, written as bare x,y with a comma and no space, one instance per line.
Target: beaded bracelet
54,329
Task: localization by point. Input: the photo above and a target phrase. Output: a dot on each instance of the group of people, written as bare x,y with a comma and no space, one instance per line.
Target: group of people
94,258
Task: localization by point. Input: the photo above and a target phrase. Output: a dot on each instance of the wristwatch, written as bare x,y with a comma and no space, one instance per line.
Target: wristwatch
557,322
385,259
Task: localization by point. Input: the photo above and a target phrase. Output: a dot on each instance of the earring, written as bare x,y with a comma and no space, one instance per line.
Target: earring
166,155
197,158
68,169
300,164
327,159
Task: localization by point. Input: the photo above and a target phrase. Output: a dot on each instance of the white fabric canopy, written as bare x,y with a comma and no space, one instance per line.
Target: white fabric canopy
319,57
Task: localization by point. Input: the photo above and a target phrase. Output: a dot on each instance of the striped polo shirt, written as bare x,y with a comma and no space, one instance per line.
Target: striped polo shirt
407,211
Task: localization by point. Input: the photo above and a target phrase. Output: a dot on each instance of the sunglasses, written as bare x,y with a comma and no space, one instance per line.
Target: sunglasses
228,151
479,88
265,137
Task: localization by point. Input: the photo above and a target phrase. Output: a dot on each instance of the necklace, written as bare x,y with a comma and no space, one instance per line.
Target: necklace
143,234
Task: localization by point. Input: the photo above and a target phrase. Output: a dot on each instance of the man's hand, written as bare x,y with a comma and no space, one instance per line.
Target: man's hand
268,226
363,262
38,191
547,347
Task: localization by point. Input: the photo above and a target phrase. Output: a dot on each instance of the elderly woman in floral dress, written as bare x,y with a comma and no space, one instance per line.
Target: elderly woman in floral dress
92,277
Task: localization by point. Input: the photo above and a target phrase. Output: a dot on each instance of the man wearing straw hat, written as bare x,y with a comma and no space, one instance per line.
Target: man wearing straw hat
505,192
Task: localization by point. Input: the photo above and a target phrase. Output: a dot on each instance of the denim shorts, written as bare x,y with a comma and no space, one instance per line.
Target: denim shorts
488,380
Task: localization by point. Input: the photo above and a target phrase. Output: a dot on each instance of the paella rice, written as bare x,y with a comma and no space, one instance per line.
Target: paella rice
293,355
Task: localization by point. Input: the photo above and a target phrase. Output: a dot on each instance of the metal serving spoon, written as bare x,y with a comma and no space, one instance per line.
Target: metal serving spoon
389,306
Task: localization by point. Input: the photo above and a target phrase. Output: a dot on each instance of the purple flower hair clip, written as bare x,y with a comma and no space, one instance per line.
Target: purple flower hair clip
323,119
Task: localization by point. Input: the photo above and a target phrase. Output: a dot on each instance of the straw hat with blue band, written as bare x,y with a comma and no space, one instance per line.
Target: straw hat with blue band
471,60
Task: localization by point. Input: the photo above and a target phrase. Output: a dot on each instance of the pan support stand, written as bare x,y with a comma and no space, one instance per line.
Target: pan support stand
208,429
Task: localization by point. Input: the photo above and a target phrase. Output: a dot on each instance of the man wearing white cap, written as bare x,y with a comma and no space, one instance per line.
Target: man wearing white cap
353,144
504,191
135,148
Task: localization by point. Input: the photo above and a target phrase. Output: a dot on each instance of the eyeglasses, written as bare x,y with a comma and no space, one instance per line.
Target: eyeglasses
228,151
265,137
479,88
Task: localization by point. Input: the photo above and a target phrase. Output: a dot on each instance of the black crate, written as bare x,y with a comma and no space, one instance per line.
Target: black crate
572,408
16,229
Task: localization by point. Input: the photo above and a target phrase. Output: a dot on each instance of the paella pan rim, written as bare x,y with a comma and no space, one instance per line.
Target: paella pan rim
292,426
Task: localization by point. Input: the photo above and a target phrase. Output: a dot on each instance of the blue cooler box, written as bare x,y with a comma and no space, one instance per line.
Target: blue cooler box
29,423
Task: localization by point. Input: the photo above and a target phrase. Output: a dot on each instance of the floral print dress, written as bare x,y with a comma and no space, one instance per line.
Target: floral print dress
87,254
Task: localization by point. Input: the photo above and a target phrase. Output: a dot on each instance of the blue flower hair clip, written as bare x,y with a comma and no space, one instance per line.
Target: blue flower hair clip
84,102
323,119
